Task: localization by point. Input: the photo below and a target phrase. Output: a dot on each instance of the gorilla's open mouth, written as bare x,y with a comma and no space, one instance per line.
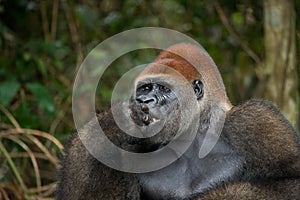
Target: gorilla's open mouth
142,115
147,119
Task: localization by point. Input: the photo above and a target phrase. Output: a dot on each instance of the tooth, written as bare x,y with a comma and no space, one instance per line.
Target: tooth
146,120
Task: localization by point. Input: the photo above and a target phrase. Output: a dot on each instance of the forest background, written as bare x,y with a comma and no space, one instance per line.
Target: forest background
255,44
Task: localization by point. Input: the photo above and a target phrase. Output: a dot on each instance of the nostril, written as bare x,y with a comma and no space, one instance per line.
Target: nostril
148,101
139,100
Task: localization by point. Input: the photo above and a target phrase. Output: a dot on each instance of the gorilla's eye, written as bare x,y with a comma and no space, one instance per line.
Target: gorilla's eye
164,88
145,88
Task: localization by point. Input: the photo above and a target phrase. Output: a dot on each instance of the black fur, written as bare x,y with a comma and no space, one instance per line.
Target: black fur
262,162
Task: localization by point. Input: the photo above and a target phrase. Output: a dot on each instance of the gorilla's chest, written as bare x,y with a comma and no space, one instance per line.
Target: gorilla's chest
190,175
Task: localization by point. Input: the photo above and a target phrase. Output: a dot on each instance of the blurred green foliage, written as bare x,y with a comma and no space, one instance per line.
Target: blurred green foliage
42,43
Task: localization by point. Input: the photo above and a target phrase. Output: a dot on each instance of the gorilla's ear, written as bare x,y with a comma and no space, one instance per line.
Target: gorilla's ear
198,88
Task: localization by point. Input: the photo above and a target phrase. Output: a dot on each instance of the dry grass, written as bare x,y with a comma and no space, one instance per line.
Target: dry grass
32,145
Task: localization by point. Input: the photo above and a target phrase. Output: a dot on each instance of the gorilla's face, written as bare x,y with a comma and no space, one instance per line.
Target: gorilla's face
156,103
154,106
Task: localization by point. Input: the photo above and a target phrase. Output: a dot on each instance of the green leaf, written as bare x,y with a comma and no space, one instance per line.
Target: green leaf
42,95
237,18
26,56
8,90
25,117
42,66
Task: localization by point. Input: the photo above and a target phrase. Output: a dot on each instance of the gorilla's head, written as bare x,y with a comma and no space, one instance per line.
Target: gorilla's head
172,92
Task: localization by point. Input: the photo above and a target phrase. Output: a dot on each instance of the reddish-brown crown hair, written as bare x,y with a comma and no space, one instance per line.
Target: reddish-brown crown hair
168,59
192,62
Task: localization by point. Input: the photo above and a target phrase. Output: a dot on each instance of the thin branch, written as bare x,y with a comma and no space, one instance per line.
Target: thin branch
32,158
230,29
25,155
43,148
10,117
74,32
43,188
45,24
12,166
8,132
3,193
54,20
63,79
60,115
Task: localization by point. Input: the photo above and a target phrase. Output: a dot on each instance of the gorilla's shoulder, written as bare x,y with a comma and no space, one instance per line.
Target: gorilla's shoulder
266,139
256,107
260,120
259,112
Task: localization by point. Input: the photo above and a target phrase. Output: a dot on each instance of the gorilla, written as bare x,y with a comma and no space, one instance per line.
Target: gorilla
249,151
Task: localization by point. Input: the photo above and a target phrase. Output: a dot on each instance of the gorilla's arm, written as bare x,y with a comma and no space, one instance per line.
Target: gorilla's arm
83,177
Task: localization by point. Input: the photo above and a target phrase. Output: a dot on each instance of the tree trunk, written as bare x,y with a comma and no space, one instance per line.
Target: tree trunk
280,63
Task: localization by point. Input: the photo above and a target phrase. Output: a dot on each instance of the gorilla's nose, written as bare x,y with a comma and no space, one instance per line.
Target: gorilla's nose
145,100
